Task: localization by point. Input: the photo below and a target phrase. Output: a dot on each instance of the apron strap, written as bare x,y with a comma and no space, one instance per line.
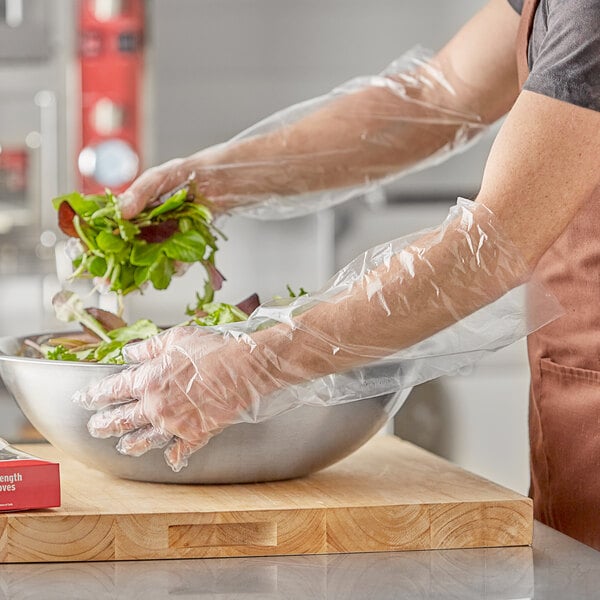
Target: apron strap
525,27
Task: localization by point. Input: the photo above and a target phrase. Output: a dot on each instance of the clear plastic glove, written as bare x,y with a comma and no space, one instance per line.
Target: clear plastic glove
191,383
404,312
369,131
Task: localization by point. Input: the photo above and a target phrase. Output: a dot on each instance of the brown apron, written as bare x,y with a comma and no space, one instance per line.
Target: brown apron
564,411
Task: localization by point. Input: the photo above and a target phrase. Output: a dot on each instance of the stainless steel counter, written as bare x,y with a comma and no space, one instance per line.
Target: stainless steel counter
556,567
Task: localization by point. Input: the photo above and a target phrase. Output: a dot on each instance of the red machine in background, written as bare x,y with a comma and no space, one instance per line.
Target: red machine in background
111,34
13,173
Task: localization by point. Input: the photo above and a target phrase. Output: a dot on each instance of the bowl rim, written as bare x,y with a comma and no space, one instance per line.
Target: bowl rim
70,363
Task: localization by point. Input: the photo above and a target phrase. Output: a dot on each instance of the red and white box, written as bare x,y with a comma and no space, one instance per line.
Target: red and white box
27,482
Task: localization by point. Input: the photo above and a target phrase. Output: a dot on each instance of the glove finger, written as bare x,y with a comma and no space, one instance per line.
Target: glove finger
142,440
117,421
114,389
132,203
145,350
178,451
151,185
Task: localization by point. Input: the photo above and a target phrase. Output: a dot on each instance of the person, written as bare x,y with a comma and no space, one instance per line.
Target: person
536,62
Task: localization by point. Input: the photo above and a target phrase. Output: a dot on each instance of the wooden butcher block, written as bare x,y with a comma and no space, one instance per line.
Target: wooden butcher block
389,495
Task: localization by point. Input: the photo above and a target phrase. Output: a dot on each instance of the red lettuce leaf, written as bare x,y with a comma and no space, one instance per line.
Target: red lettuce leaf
215,276
107,319
249,304
65,219
154,234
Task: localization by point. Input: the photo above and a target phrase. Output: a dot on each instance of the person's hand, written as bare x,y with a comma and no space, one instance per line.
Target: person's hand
188,386
199,168
152,183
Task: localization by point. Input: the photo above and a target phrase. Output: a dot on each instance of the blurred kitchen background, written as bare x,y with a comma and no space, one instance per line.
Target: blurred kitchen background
92,91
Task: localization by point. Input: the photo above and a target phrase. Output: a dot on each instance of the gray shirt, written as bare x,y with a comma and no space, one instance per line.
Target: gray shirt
564,51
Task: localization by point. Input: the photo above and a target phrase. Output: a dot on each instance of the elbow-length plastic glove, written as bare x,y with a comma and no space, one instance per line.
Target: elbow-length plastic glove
402,313
320,152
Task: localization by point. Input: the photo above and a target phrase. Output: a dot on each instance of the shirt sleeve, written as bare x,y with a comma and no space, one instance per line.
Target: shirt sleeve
566,61
517,5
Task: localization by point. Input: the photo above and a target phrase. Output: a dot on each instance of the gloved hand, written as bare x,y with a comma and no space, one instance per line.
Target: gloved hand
402,313
189,384
323,151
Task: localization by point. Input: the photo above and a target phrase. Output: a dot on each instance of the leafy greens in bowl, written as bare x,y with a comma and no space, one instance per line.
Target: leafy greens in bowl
292,444
104,334
129,255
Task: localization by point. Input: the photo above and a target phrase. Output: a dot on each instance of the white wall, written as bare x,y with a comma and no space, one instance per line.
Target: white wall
219,66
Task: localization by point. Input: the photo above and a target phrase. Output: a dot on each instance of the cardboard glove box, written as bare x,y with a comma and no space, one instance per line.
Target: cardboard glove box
27,482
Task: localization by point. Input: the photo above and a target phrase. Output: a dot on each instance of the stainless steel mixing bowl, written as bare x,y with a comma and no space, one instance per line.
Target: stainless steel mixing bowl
292,444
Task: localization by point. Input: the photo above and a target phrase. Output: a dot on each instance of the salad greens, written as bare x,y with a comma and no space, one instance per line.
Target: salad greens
219,313
128,255
102,342
60,353
293,294
105,335
69,307
148,249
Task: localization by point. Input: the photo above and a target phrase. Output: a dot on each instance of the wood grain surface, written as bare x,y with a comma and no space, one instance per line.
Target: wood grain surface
389,495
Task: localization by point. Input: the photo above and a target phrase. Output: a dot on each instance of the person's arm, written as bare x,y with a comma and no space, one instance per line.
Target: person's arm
386,125
542,168
190,385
